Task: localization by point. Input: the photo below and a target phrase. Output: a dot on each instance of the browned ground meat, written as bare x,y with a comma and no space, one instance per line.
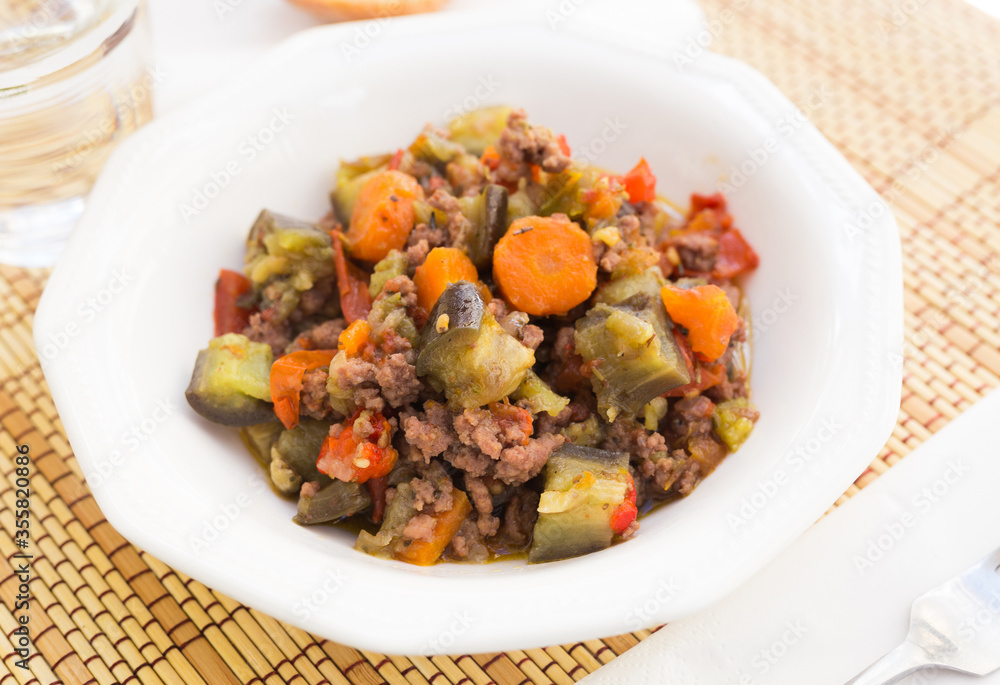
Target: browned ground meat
420,527
532,336
263,331
321,298
398,380
689,478
632,437
519,519
495,453
468,543
689,417
523,462
521,143
431,431
482,501
466,179
433,235
434,490
698,251
315,400
355,372
457,225
416,254
321,337
477,428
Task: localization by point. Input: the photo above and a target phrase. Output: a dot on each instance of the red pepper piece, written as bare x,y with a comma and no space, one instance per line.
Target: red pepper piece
286,381
355,300
229,316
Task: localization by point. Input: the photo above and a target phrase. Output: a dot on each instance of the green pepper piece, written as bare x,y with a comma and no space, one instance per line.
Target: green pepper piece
392,265
730,425
538,396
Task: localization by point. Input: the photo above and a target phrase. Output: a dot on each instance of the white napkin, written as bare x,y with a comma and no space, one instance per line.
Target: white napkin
840,597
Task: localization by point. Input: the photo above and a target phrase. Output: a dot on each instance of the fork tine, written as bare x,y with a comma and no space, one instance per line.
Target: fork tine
993,560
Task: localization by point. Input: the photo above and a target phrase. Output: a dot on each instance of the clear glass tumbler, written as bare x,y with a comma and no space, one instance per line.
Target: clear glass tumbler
75,78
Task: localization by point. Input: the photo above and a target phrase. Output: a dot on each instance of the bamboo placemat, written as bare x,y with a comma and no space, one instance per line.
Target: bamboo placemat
909,91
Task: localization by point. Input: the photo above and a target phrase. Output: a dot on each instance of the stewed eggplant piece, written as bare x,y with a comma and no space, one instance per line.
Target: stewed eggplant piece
632,354
584,488
466,354
230,384
331,502
487,214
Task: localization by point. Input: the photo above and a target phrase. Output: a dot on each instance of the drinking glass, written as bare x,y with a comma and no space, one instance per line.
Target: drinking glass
75,79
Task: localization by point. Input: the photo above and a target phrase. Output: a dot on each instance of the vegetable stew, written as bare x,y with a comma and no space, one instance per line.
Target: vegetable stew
486,347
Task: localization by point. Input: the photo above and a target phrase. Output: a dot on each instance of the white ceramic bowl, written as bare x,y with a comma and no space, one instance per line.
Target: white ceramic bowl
129,305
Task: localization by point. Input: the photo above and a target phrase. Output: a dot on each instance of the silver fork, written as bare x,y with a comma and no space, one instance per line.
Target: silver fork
955,626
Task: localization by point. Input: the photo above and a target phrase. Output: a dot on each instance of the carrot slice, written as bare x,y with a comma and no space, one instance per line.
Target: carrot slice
383,215
446,524
286,381
443,266
545,265
490,158
354,337
707,314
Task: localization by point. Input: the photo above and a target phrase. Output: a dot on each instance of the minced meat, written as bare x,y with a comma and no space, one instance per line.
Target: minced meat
496,453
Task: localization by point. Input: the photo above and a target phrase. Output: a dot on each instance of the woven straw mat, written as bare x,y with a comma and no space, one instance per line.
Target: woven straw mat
914,104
